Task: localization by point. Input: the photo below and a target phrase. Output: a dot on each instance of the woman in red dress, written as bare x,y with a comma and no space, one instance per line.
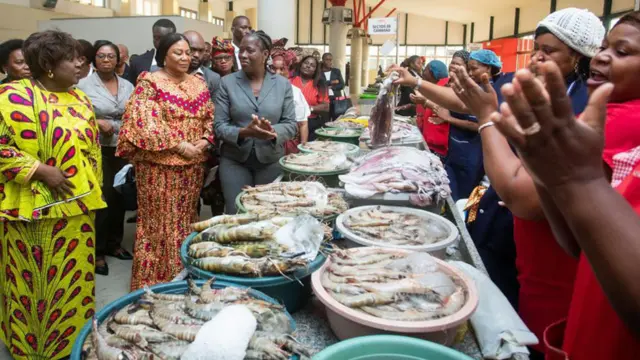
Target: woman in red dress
311,82
588,215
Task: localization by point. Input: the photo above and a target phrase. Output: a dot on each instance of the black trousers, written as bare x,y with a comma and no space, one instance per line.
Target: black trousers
110,221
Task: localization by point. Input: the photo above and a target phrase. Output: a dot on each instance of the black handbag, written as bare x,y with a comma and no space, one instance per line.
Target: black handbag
129,190
338,106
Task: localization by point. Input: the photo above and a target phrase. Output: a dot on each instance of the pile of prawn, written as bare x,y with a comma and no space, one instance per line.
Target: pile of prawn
316,162
161,326
329,147
395,227
243,244
292,198
342,131
344,124
392,284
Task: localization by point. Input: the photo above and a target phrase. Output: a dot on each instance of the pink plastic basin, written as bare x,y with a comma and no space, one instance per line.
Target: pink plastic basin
347,323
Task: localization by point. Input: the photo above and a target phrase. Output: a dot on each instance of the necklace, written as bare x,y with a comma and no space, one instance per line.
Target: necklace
45,88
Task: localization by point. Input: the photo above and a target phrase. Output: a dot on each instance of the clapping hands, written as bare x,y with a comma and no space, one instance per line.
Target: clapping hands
260,128
556,148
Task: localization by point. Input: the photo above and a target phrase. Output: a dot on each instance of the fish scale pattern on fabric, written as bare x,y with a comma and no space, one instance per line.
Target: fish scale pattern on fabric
48,285
57,129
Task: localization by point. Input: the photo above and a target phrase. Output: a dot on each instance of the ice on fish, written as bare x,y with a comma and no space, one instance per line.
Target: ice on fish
417,262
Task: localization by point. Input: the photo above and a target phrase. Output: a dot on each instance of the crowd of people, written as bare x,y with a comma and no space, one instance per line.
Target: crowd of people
553,201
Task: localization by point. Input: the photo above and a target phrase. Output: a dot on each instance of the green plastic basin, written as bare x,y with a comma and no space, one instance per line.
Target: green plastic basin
350,139
289,292
388,347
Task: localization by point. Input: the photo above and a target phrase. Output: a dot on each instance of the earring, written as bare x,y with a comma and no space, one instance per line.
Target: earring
50,74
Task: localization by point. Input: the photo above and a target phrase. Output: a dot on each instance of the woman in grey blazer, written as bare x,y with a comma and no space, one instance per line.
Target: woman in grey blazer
255,116
109,94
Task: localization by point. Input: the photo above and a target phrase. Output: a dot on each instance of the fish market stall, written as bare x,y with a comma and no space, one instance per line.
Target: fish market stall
319,165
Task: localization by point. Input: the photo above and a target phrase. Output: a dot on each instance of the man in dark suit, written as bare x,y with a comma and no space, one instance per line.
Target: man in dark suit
333,76
198,48
147,61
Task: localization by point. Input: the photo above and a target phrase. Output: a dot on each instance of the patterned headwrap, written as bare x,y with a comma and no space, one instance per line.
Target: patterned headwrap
278,50
462,54
221,46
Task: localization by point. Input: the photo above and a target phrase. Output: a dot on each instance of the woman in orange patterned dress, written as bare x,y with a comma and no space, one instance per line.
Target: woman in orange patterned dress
167,127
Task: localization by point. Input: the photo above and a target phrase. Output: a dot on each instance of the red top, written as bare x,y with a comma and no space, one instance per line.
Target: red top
436,135
546,274
622,129
593,330
310,92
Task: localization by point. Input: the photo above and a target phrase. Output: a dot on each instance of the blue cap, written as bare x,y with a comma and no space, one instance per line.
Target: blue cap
486,57
438,69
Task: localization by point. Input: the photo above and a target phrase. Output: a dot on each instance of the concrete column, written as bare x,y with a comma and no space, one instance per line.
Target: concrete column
228,20
277,18
355,78
170,7
252,14
365,62
203,11
338,40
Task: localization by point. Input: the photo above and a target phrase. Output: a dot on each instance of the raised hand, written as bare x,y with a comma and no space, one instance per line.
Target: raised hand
481,102
538,120
405,77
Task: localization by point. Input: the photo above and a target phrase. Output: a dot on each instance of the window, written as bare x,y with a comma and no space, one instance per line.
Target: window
217,21
189,14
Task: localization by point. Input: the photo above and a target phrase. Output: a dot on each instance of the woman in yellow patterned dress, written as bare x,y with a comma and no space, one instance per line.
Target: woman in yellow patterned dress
167,126
49,189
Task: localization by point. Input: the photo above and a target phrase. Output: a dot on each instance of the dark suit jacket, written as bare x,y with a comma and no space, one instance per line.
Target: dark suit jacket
140,64
235,103
336,74
213,82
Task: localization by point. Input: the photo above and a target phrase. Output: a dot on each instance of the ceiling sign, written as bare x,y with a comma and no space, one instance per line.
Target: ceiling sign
383,26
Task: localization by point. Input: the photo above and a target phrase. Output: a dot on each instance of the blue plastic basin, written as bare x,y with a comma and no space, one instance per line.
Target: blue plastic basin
388,347
178,287
288,291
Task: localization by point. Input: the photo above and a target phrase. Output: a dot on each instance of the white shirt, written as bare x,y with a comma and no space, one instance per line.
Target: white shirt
327,75
236,51
302,107
153,59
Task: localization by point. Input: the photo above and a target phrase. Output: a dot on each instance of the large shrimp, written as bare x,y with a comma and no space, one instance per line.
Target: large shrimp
225,219
357,301
238,265
180,332
339,287
133,315
103,350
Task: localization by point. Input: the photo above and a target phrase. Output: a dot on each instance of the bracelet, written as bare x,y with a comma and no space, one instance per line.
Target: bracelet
485,125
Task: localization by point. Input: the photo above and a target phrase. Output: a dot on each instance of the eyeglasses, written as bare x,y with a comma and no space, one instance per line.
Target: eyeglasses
220,59
106,56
